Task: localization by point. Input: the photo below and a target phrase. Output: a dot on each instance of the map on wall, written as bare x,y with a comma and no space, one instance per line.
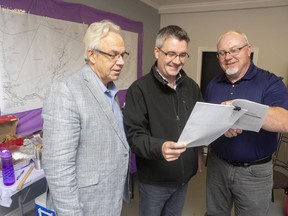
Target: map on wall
36,51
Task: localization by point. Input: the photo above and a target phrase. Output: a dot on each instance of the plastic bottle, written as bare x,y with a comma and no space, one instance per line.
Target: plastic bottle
8,173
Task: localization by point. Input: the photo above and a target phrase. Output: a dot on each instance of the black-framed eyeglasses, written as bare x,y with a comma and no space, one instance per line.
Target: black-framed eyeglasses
113,57
172,55
232,52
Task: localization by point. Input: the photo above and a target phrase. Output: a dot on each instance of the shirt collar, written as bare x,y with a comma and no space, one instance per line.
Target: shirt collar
164,80
110,89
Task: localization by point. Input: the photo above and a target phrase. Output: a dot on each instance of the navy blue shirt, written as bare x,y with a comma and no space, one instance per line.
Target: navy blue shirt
259,86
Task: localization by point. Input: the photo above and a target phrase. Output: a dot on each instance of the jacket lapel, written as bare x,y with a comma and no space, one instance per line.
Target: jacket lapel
96,90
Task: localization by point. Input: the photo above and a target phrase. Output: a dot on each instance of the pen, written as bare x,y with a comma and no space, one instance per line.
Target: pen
20,175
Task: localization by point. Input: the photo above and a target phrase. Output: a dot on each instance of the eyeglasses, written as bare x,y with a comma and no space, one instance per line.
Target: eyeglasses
232,52
173,55
113,57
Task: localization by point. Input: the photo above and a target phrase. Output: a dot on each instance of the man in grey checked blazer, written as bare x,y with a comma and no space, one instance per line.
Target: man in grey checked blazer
85,152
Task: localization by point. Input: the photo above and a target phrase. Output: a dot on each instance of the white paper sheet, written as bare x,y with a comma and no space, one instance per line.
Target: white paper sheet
208,121
253,119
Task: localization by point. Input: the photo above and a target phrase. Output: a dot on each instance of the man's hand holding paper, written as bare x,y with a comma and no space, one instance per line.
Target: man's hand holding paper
232,132
171,150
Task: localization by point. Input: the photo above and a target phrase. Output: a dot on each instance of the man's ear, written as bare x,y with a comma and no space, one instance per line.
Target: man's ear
91,56
156,52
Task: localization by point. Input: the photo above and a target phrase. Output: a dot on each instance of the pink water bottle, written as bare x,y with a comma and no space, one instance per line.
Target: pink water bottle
8,173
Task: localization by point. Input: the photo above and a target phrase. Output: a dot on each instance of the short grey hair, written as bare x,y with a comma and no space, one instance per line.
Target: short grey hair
171,31
95,32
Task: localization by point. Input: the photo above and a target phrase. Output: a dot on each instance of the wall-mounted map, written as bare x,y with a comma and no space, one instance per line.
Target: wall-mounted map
36,51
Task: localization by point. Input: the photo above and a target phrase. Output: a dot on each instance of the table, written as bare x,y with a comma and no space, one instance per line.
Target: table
6,192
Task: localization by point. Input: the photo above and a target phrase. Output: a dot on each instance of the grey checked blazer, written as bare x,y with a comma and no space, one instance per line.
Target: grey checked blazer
85,153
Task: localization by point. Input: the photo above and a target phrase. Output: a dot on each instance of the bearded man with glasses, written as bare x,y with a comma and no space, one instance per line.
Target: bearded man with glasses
157,108
240,169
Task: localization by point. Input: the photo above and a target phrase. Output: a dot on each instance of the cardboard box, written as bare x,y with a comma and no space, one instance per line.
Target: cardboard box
40,205
8,126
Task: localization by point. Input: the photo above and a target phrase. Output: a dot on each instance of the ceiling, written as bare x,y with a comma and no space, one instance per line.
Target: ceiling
188,6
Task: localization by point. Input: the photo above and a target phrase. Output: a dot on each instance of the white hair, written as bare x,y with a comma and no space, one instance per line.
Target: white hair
95,32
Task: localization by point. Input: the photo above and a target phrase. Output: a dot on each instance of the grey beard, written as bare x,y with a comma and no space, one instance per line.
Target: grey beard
231,71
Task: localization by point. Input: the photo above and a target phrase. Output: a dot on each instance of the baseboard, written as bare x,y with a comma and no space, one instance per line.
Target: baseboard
27,207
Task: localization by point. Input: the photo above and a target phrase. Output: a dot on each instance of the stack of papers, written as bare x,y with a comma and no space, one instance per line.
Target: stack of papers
208,121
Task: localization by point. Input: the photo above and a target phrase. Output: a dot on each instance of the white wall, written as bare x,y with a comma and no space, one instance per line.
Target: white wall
266,28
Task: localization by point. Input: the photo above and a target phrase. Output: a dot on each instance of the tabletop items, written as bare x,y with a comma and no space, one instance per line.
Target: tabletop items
38,156
22,182
6,192
8,137
21,156
8,173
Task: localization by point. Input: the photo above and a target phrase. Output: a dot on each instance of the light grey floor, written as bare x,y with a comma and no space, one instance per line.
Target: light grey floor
195,200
